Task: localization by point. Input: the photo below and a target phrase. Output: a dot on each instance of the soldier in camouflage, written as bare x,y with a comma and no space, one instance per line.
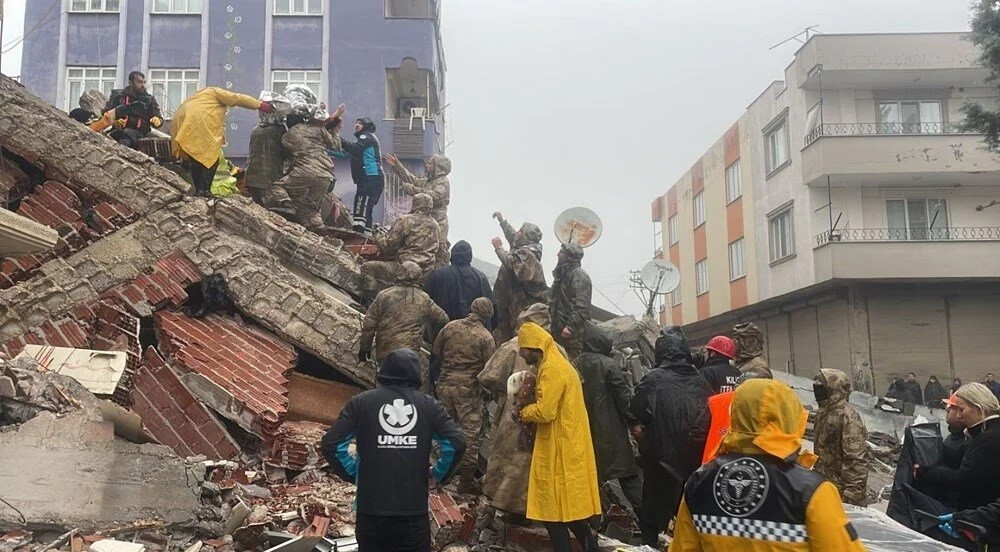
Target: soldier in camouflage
464,346
310,173
750,350
435,184
521,280
840,438
414,238
571,296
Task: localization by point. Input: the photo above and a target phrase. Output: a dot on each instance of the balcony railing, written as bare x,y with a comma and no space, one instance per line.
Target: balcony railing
883,129
964,233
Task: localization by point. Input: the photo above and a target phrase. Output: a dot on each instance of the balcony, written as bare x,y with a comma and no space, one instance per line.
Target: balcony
963,233
883,129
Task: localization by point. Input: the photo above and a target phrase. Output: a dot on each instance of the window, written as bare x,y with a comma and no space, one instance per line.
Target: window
701,276
281,79
672,229
420,9
699,209
81,79
176,6
675,297
733,187
298,7
737,266
93,5
909,117
171,87
917,219
776,146
779,227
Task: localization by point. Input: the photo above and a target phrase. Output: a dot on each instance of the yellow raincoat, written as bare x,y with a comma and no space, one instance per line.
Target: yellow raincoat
767,420
562,484
198,128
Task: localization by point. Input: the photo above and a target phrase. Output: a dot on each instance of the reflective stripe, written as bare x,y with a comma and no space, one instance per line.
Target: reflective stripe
750,528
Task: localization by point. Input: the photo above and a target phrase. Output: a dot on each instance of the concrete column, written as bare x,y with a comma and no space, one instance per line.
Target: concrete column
859,337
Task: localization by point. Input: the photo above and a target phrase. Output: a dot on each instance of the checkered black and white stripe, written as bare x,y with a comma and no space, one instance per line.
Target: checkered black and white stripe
750,529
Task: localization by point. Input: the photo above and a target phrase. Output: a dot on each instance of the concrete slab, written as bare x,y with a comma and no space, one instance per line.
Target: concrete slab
98,371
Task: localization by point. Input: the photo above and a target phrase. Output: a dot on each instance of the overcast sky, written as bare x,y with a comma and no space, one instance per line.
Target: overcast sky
605,103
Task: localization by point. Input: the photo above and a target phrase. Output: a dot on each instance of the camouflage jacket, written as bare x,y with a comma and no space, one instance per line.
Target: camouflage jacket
464,346
841,440
305,146
397,319
266,157
414,237
571,296
756,365
437,185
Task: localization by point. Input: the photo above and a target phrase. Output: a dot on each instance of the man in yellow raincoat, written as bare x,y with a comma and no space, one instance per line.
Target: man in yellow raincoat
197,132
562,484
759,494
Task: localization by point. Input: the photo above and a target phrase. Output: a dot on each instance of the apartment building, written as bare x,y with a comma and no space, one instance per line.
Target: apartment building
869,240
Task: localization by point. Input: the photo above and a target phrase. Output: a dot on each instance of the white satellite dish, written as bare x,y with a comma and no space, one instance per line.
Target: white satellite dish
579,226
660,277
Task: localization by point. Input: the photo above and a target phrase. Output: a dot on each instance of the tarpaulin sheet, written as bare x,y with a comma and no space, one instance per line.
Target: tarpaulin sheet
880,533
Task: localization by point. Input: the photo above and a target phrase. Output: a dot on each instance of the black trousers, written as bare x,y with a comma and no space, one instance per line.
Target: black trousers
559,535
127,137
366,198
203,177
661,496
393,533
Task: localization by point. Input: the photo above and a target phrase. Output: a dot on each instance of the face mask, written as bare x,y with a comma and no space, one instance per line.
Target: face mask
821,392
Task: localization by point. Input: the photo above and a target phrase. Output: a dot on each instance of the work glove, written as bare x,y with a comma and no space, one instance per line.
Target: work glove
946,527
156,122
364,356
265,107
120,123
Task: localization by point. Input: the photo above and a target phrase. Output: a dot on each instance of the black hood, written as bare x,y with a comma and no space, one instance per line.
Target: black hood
672,347
366,126
597,340
461,254
400,368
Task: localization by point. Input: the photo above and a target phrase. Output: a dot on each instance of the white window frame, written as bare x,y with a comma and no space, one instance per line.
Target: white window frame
430,11
306,80
675,297
698,208
777,130
737,260
701,277
106,77
185,7
88,6
781,224
734,184
900,127
672,237
303,11
922,233
160,80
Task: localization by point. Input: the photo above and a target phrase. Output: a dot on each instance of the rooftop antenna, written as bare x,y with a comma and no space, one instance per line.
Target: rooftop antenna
578,225
657,278
801,38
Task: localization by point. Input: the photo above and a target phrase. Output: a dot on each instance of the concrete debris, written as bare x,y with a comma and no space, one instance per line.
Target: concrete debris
98,371
27,392
296,446
112,545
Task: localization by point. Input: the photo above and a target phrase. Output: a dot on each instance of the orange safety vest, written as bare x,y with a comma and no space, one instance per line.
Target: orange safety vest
718,406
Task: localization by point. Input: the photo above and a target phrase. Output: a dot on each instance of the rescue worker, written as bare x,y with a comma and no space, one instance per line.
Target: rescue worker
398,316
571,296
198,131
562,486
670,420
456,286
718,368
750,350
464,346
132,110
841,440
266,156
393,426
760,494
521,279
992,384
366,170
607,395
505,483
310,173
434,183
413,238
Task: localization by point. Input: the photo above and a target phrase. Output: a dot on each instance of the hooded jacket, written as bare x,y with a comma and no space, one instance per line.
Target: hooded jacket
398,316
198,127
720,374
521,280
759,494
137,108
266,156
671,402
750,350
465,345
607,395
393,426
934,394
571,296
435,184
456,286
414,237
977,479
306,145
841,440
366,153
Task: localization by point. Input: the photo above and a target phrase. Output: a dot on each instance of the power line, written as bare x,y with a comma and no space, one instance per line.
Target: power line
46,17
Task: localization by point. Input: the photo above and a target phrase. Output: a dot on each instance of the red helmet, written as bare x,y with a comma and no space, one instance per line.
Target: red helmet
722,345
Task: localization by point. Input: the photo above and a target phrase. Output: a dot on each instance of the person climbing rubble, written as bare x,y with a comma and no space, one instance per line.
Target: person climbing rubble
750,350
131,111
520,282
397,318
505,483
607,396
571,296
266,156
434,183
718,368
393,427
366,170
841,440
198,132
456,286
413,238
759,494
464,346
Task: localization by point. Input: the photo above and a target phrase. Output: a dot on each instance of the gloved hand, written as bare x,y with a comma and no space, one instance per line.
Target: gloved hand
120,123
156,122
364,356
265,107
946,526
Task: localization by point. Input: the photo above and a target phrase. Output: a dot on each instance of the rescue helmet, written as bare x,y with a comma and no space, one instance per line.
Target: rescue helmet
722,345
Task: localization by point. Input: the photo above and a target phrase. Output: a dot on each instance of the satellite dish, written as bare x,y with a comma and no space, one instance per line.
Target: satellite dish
660,277
579,226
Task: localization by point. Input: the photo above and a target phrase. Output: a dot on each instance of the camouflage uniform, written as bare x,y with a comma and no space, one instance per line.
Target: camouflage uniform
435,184
570,304
521,280
841,439
398,317
265,160
309,176
413,238
750,350
464,346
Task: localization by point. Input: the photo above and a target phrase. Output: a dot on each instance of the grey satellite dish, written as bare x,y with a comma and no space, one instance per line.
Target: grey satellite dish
579,226
660,277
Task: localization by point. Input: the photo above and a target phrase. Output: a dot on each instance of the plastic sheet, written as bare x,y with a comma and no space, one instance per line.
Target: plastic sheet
880,533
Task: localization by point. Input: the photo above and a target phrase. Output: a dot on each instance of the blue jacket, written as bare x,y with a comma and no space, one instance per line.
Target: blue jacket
366,154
